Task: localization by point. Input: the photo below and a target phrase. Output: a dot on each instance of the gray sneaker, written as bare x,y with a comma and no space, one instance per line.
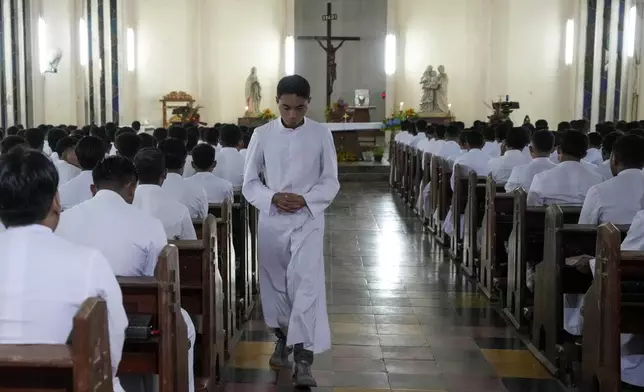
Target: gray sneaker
279,359
302,376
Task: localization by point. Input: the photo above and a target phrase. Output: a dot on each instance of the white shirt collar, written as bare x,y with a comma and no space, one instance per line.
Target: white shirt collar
283,128
35,228
510,153
108,196
541,159
628,172
173,176
570,163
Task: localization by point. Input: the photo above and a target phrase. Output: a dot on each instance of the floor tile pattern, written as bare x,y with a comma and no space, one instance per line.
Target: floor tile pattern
403,318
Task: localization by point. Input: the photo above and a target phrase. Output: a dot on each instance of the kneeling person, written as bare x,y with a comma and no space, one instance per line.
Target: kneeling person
203,161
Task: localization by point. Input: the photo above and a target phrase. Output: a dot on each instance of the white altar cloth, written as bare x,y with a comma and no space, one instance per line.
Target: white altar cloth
344,127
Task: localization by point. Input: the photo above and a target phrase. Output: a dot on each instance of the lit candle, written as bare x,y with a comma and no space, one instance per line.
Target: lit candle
401,106
449,106
246,108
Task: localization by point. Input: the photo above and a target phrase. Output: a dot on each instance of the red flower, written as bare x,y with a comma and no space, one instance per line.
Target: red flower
383,95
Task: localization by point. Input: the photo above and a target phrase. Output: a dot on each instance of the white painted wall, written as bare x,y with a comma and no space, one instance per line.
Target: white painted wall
489,48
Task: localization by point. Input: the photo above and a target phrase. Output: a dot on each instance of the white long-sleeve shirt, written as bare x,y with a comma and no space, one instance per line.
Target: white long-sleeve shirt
230,166
174,216
76,190
44,279
566,184
186,193
523,175
217,189
501,167
616,200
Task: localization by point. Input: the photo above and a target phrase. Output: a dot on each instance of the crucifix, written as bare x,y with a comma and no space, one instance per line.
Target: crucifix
326,43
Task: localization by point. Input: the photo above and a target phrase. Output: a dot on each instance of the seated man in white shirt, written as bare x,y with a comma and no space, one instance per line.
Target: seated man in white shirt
89,152
541,125
130,239
594,155
607,148
44,278
10,142
67,166
160,134
35,138
416,136
541,147
230,163
212,137
127,144
149,197
245,141
513,156
569,182
491,147
217,189
616,200
180,133
186,193
53,137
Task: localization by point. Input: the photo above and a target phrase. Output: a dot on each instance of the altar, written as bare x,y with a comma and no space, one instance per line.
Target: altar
352,139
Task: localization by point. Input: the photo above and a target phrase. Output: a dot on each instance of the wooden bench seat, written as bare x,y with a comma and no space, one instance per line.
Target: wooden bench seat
458,204
83,365
614,305
165,352
426,216
443,200
473,219
243,255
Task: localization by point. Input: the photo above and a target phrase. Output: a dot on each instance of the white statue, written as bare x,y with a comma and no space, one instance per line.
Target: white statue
429,83
441,101
253,93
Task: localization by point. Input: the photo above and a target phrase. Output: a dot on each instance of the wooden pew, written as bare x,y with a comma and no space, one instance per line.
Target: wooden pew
435,181
253,222
497,226
392,161
416,175
83,365
203,298
612,306
444,200
525,245
408,160
554,279
426,216
474,213
459,202
223,213
244,261
165,350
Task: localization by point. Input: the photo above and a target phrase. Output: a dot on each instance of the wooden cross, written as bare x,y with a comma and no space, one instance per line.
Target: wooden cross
331,66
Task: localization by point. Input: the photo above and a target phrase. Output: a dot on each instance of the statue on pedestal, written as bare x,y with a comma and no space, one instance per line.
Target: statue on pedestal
253,94
434,85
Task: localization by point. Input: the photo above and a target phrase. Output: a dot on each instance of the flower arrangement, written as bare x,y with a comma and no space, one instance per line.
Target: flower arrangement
410,115
392,123
267,115
335,107
188,114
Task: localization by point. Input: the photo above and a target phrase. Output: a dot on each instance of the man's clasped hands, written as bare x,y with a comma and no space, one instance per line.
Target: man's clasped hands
288,202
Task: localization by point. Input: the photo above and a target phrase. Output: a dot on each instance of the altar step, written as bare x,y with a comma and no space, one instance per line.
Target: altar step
363,171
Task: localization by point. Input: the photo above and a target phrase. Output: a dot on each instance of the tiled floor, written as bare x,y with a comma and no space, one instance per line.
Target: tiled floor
402,316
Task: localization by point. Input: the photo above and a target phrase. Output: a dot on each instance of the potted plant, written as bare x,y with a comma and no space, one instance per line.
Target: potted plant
378,153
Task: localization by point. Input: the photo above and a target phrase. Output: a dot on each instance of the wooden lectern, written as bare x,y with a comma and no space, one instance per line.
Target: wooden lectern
361,113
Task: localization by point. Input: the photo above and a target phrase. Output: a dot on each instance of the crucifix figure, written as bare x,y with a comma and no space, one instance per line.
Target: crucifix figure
326,43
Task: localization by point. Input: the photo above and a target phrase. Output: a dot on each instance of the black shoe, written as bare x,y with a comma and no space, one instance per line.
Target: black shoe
302,375
279,359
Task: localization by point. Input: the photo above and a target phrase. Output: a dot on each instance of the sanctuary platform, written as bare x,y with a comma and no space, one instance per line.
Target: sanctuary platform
356,138
363,171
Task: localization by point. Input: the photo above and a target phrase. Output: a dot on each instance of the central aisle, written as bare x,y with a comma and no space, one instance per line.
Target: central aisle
402,316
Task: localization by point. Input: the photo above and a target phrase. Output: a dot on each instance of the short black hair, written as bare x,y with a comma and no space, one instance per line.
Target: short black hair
294,84
452,131
193,138
488,133
35,137
627,151
54,136
608,142
10,142
123,130
230,135
212,136
203,156
178,132
474,138
28,186
440,131
99,132
543,141
89,151
246,138
64,144
111,134
595,140
500,131
114,171
128,144
13,130
175,153
421,125
541,124
150,165
160,134
136,126
147,140
517,138
574,143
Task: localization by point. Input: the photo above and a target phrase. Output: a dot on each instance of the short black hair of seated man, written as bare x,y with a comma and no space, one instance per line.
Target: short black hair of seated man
136,125
541,124
452,132
608,142
65,148
441,130
192,137
488,133
627,154
230,135
12,141
212,136
117,174
28,189
127,144
516,138
595,140
35,137
54,136
179,133
203,158
90,151
542,143
160,134
150,165
573,146
293,98
474,139
175,154
147,140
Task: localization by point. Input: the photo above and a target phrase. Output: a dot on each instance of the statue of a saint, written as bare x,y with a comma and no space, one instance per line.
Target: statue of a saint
442,103
429,83
253,94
